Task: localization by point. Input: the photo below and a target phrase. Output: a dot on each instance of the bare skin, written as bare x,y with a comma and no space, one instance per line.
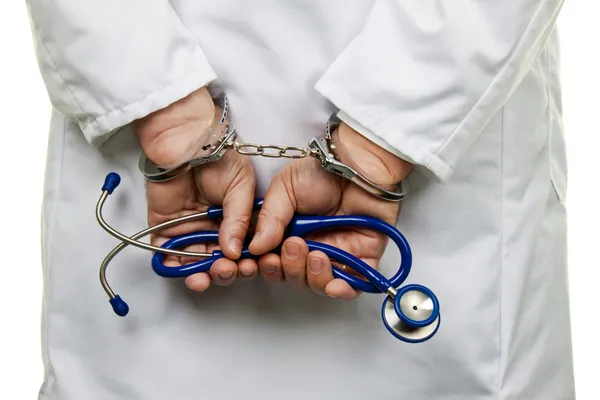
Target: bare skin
304,187
171,136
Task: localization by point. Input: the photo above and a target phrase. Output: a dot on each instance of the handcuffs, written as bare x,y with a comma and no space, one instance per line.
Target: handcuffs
221,136
410,313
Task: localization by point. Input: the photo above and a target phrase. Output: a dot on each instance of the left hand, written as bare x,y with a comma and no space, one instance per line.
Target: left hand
173,135
304,187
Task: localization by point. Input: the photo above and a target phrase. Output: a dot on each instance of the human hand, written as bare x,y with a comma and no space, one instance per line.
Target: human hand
174,135
303,186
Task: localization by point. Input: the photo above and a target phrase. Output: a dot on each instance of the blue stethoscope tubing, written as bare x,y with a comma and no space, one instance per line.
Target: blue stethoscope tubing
301,226
419,328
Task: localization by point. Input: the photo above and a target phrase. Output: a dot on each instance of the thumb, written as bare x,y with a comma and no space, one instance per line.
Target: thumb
237,210
278,209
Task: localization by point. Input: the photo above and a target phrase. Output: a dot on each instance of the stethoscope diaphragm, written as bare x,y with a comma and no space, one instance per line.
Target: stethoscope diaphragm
412,315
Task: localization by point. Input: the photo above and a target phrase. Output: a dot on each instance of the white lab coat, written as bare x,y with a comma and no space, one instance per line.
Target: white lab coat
468,90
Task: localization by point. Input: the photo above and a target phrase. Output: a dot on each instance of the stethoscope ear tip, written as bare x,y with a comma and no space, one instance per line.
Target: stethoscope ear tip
111,182
119,306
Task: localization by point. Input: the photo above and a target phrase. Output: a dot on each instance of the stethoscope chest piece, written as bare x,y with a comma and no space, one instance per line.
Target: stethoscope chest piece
412,314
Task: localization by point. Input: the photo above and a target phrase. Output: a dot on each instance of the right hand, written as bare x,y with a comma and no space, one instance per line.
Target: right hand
304,187
171,136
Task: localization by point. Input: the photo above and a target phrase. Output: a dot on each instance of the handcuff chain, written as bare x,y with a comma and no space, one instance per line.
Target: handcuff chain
271,150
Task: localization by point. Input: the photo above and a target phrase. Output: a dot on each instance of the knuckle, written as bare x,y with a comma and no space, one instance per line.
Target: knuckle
267,217
266,214
239,220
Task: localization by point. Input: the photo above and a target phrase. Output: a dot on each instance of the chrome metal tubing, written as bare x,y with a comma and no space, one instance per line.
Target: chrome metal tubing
133,240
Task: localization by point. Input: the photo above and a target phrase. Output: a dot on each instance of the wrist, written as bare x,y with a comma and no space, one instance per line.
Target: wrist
174,134
369,159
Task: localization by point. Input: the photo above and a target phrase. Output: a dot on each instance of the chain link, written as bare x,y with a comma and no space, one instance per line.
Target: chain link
271,150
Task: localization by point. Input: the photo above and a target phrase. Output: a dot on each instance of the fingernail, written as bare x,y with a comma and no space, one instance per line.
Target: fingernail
226,277
291,250
235,245
247,274
315,265
269,269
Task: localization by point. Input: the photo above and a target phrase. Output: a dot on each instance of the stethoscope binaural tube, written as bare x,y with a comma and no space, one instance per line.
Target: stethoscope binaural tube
111,182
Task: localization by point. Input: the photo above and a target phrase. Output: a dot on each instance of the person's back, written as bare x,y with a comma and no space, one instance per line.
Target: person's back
468,92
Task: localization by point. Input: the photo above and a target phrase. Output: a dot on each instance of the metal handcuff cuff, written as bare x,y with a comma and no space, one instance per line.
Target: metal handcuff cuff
411,313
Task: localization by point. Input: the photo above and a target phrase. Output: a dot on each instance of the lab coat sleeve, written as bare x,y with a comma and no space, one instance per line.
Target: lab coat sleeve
423,78
106,63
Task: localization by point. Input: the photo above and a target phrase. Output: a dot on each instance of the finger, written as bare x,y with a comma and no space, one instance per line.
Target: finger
277,211
201,281
198,282
339,288
223,272
237,210
195,248
247,269
293,261
318,271
270,267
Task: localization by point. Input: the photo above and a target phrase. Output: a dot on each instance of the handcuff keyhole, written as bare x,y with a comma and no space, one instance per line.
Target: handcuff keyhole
206,147
415,308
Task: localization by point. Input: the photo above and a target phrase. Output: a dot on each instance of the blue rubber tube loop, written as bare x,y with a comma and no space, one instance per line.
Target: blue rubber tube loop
202,237
302,226
305,225
178,242
377,282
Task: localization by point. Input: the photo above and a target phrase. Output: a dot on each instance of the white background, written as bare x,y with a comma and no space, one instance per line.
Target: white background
24,118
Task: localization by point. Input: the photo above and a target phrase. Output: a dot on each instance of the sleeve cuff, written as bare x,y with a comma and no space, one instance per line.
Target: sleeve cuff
98,129
364,121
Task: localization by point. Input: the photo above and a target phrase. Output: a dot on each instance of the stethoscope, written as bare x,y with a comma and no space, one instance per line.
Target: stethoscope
411,313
